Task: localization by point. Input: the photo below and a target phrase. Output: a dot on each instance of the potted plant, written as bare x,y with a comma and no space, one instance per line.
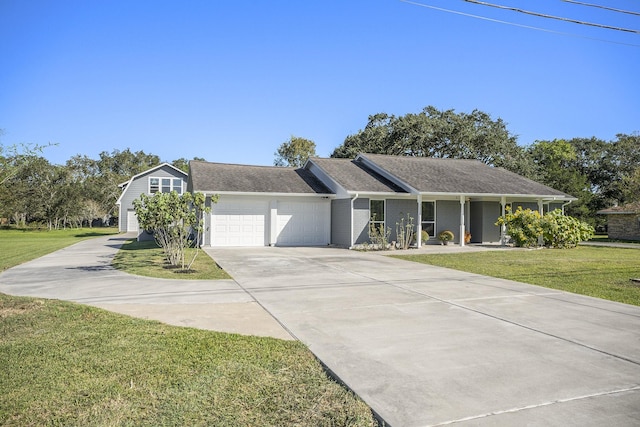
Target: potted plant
445,237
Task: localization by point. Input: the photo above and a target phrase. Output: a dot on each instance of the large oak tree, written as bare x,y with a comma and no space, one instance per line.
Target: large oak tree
439,133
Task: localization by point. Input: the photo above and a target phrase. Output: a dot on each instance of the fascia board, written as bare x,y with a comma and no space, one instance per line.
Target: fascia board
527,196
246,193
128,185
383,193
158,167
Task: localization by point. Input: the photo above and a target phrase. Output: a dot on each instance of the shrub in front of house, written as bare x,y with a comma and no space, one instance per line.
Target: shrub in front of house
526,226
523,226
561,231
446,236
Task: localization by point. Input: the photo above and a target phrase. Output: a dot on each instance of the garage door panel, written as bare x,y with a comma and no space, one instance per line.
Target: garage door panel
303,223
239,223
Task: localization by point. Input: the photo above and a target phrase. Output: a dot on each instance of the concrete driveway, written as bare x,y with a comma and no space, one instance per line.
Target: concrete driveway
83,273
428,346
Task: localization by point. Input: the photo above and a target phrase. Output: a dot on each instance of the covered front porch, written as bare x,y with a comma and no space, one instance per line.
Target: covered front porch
472,218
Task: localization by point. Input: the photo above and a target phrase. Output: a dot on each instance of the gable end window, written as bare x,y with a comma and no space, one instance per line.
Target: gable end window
165,185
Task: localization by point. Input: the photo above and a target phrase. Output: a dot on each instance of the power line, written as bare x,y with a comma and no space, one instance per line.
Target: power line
484,18
603,7
559,18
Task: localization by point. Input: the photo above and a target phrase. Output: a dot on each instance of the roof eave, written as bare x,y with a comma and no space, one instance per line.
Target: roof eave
529,196
258,193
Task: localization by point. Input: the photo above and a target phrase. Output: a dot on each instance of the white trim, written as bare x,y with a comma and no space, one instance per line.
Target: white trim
158,167
160,178
550,198
419,231
435,215
384,213
244,193
351,239
463,201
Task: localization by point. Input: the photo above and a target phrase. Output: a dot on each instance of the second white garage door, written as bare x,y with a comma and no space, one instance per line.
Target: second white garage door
239,223
304,223
248,223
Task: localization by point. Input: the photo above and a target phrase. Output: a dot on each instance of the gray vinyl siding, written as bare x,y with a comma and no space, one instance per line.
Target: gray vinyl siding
361,220
397,209
448,217
139,186
525,205
341,222
554,206
483,219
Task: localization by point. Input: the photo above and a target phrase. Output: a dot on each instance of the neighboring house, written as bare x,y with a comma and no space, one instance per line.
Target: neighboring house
623,222
163,178
334,201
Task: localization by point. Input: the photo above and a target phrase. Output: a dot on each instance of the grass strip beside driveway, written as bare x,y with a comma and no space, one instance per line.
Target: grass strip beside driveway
147,259
600,272
18,246
69,364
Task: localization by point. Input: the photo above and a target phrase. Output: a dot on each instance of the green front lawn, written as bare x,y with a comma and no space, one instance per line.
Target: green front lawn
65,364
147,259
18,246
595,271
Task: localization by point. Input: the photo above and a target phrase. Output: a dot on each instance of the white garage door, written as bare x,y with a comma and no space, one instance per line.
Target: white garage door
238,223
304,223
132,221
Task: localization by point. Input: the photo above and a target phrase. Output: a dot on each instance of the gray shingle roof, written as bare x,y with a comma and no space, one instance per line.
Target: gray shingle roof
629,208
219,177
354,176
431,175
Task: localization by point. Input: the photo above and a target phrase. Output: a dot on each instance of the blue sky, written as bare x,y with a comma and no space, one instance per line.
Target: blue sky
231,80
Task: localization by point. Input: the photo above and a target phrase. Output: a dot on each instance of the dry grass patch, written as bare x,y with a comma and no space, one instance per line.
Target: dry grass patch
68,364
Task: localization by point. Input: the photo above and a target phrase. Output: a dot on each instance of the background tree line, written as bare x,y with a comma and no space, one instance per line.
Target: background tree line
84,190
599,173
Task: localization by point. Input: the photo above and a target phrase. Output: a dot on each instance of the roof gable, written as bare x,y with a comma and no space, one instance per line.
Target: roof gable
457,176
355,177
223,177
629,209
125,185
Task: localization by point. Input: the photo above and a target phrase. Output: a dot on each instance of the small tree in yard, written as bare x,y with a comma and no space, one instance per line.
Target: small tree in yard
173,218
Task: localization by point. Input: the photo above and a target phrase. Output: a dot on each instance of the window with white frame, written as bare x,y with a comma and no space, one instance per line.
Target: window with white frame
165,185
376,213
429,218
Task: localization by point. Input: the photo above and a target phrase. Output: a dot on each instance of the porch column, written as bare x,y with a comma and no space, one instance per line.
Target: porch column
541,212
503,227
419,221
462,228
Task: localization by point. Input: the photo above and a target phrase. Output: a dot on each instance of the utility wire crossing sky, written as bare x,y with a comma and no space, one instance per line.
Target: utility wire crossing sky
231,81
